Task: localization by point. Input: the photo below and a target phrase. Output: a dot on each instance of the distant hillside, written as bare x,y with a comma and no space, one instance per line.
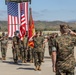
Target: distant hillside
42,25
53,25
72,21
3,26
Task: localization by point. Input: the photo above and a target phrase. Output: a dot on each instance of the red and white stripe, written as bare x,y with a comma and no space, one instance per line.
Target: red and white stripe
12,25
22,27
26,15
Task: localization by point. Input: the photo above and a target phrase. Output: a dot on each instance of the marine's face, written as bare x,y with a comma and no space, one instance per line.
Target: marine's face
4,38
38,34
15,34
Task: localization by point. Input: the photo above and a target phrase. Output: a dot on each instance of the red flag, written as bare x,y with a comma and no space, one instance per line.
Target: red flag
31,29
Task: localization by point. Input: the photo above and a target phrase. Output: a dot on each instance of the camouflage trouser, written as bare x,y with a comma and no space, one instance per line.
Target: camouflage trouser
23,54
50,50
64,73
43,54
37,58
30,54
15,52
3,52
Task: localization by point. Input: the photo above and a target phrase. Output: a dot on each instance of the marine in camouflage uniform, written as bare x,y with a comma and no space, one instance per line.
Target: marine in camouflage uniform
43,46
4,47
24,54
50,38
15,48
38,48
63,53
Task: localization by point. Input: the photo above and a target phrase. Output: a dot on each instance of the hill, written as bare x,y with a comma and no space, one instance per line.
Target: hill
3,26
42,25
53,25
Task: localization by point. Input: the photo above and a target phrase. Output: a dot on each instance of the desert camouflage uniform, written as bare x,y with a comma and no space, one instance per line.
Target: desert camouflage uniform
64,47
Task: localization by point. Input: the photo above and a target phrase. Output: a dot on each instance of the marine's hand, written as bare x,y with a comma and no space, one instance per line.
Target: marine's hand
54,69
12,47
26,48
73,33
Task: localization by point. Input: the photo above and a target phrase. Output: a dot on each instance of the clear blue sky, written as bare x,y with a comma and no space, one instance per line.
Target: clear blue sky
48,10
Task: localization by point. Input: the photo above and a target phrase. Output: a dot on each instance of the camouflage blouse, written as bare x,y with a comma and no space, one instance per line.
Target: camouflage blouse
64,46
38,44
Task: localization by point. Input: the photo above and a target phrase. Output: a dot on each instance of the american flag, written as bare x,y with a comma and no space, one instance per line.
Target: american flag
15,17
23,23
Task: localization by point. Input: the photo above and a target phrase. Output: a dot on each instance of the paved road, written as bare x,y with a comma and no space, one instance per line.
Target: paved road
8,68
